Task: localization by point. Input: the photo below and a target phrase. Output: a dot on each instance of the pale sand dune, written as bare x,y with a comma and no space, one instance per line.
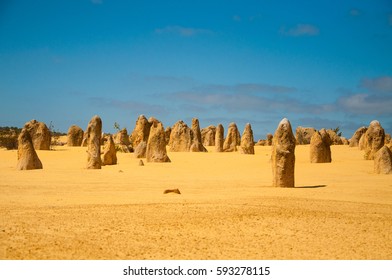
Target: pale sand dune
226,210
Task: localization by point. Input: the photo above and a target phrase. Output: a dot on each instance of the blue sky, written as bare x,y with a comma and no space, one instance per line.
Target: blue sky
319,63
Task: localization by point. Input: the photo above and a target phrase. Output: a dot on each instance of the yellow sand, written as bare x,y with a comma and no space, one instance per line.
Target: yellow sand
226,210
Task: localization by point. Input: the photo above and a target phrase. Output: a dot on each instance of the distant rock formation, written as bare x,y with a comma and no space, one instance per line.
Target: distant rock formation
196,145
208,135
219,138
27,156
374,139
269,140
121,141
40,134
303,135
283,157
383,161
9,138
75,136
180,137
320,150
94,132
109,156
247,141
141,131
233,139
354,141
335,138
156,144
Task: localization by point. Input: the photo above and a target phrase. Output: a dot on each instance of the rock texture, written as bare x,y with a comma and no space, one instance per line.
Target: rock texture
121,141
196,145
167,134
93,140
354,141
269,140
27,156
320,150
140,150
374,139
208,135
247,141
40,134
335,139
180,137
304,134
283,157
141,131
156,144
109,156
383,161
219,138
75,136
233,139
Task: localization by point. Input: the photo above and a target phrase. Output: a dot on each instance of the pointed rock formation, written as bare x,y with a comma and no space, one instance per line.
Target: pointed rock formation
180,137
374,139
141,131
219,138
196,145
303,135
40,134
93,139
247,141
233,139
383,161
283,157
320,150
208,135
109,156
75,136
156,144
27,156
354,141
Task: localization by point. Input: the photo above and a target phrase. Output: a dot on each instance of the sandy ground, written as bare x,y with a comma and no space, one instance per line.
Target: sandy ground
226,210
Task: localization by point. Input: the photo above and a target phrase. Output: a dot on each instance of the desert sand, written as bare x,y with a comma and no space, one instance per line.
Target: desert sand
227,208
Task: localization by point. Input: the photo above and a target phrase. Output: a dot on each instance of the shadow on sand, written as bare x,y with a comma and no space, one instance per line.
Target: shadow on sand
311,187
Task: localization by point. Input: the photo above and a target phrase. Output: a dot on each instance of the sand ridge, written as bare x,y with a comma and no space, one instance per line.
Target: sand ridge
227,208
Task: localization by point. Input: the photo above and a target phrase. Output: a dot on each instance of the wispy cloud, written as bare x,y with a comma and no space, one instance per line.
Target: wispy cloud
183,31
236,18
246,97
134,106
378,85
300,30
355,12
366,104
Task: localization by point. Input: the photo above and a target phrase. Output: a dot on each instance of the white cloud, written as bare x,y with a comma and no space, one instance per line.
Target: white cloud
300,30
182,31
